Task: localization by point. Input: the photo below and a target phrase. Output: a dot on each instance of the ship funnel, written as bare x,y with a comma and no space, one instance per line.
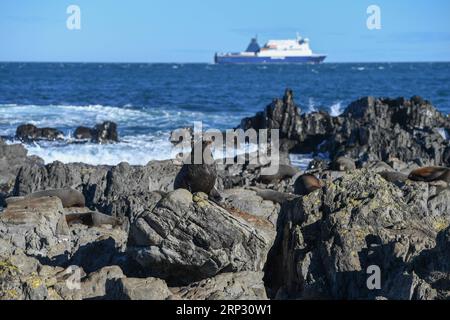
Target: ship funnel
253,46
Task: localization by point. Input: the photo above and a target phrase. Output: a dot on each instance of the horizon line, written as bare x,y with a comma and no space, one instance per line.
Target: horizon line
212,63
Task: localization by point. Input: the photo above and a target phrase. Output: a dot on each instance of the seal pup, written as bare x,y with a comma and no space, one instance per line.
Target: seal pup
343,164
305,184
69,197
284,171
199,177
273,195
93,219
394,177
430,174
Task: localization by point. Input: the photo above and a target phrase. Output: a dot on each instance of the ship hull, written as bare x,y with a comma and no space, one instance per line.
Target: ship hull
236,59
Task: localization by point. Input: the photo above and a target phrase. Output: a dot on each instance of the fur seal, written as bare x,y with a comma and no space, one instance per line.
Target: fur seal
394,177
343,164
69,197
305,184
198,177
93,219
272,195
430,174
284,171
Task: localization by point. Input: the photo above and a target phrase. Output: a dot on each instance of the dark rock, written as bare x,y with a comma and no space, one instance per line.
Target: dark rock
83,133
12,158
29,132
369,129
105,132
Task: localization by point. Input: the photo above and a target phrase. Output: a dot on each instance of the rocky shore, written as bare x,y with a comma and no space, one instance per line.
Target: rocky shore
263,240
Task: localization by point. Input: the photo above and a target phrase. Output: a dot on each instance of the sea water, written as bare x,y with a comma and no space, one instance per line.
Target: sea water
148,101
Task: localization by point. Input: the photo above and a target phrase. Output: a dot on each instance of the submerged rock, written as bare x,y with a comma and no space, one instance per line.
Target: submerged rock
105,132
29,132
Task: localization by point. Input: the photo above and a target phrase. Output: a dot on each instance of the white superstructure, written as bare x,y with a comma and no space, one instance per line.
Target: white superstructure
286,48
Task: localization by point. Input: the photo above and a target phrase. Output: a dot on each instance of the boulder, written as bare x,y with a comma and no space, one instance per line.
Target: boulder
245,285
187,238
141,289
248,201
99,284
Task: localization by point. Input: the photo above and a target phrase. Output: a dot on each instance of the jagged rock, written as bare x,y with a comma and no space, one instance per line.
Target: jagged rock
121,190
37,226
187,238
29,132
434,267
141,289
327,240
369,129
12,158
246,285
102,133
19,278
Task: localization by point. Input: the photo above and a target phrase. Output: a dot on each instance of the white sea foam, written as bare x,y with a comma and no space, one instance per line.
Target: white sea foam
336,109
443,132
301,160
144,133
311,106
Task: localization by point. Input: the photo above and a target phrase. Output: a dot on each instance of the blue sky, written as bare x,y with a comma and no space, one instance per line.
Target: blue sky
192,30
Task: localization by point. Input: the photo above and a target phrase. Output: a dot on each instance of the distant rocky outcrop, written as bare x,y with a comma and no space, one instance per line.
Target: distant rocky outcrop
29,132
369,129
105,132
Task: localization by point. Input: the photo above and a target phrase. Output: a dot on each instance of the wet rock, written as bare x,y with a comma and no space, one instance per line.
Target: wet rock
29,132
187,238
246,285
105,132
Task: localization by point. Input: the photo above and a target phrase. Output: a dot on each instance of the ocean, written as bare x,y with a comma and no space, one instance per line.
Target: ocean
147,101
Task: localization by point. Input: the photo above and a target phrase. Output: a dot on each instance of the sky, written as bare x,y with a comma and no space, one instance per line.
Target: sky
193,30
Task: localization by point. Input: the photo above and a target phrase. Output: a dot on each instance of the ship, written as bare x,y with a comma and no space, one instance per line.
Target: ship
274,51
